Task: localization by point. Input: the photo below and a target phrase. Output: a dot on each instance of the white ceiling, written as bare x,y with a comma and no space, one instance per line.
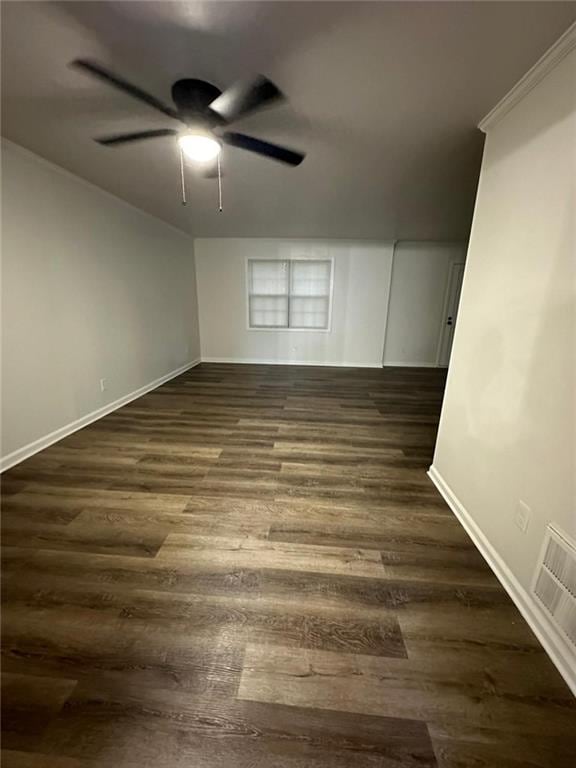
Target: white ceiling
384,98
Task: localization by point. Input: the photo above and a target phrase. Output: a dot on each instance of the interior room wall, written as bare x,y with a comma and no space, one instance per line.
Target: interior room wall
417,296
359,309
508,427
92,289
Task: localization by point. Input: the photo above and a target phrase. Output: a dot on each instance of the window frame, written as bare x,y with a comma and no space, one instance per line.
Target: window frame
287,328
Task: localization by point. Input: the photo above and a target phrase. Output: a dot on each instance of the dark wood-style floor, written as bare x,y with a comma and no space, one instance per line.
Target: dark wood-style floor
249,567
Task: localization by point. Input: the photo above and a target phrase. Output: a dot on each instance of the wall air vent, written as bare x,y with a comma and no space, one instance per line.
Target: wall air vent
555,582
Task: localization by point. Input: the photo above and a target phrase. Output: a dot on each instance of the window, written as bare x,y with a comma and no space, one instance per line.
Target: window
289,294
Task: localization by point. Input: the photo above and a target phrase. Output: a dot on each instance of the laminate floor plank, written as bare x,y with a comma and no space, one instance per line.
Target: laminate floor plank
29,704
84,537
410,532
290,622
249,566
401,688
10,758
208,731
488,748
291,557
68,496
88,642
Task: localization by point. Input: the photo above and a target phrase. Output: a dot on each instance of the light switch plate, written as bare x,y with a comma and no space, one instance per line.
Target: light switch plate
522,517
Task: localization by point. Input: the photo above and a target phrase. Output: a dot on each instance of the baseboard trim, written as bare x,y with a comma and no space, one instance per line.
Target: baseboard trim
404,364
257,361
554,645
44,442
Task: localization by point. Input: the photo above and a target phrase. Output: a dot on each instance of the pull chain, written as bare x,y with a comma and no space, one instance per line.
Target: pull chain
219,185
182,178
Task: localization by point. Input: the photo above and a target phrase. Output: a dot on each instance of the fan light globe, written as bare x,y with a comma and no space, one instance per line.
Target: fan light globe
199,147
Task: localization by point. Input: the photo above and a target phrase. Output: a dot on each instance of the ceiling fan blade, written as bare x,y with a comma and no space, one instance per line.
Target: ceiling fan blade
244,97
127,138
97,70
274,151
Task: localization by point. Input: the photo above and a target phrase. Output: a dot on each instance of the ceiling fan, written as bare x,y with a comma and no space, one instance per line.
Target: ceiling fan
205,112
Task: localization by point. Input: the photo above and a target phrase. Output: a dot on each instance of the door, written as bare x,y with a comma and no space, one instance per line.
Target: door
453,291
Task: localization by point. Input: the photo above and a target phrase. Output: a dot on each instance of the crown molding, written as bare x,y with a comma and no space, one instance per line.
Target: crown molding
553,56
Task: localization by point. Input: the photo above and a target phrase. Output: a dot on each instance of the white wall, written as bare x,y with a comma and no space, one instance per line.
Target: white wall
417,297
508,426
92,288
360,298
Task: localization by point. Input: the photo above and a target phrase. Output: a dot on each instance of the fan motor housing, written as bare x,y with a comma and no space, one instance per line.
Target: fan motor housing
193,97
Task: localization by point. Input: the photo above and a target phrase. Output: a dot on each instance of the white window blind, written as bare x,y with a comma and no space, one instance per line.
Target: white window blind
268,294
309,294
292,293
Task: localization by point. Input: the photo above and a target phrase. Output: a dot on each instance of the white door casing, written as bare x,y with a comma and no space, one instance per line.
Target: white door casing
453,291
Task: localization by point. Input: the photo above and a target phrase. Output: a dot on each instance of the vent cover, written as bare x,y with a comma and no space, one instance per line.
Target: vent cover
555,582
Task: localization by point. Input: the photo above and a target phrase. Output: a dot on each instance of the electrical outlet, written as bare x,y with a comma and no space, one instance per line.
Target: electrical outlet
103,385
522,517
